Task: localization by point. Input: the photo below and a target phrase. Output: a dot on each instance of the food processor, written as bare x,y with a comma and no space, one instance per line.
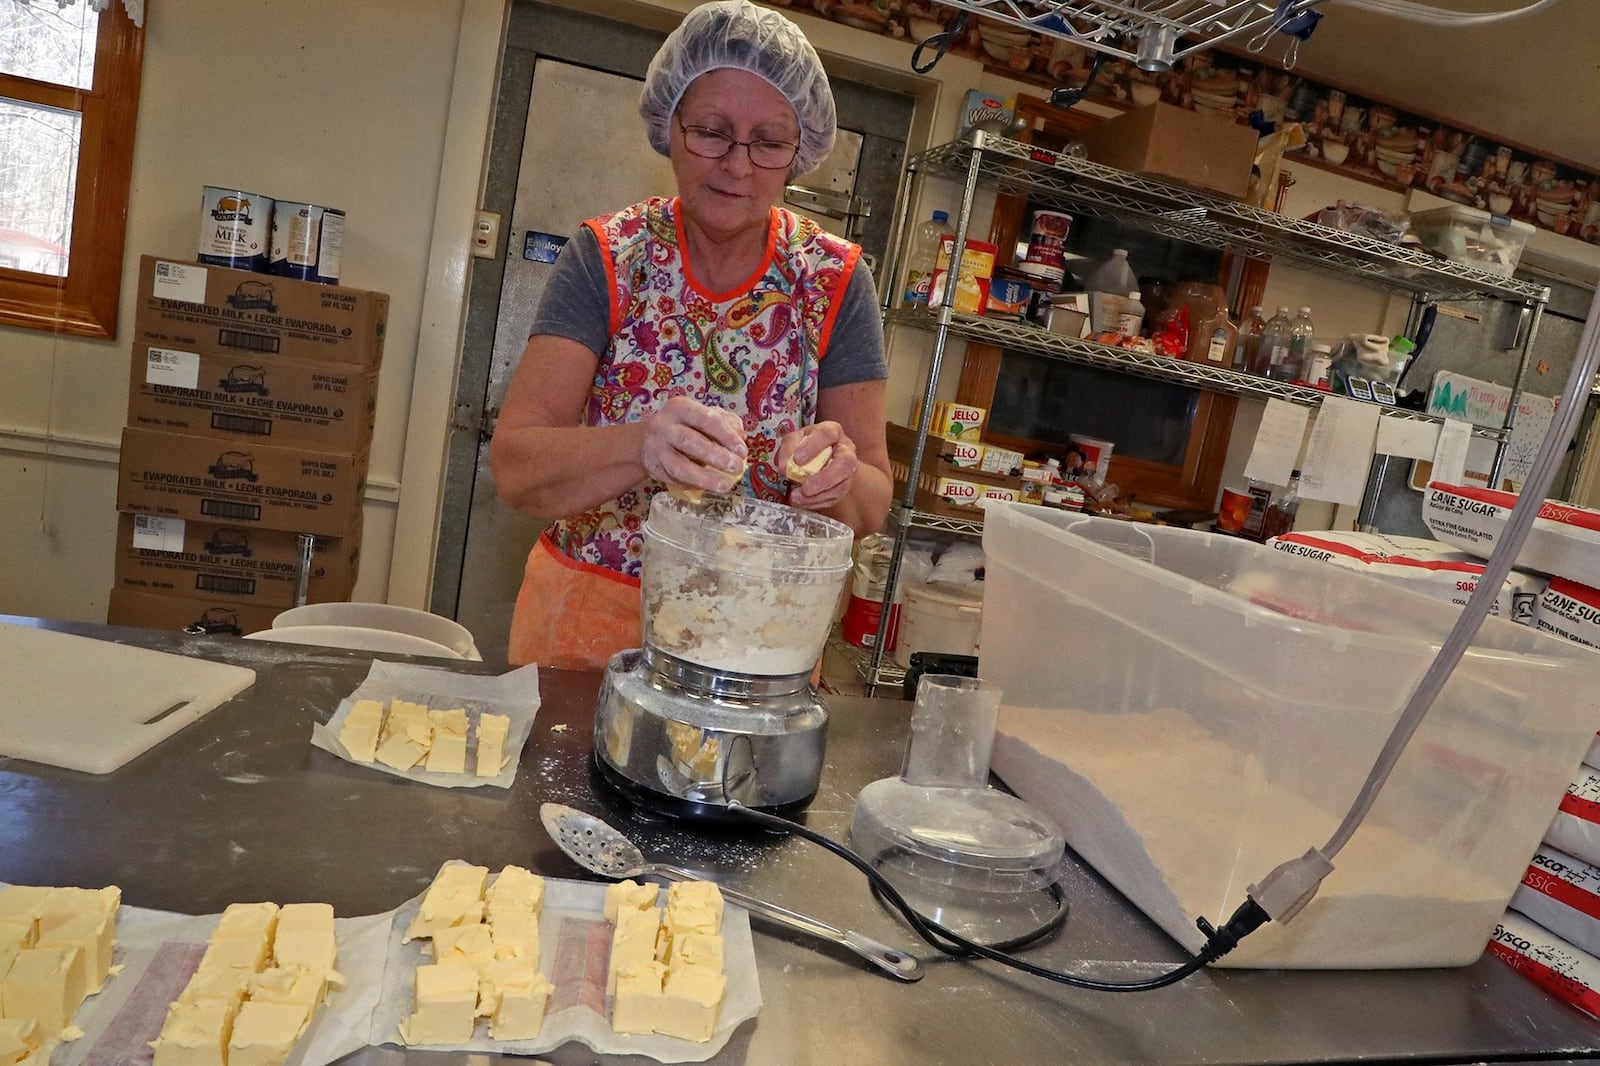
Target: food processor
736,598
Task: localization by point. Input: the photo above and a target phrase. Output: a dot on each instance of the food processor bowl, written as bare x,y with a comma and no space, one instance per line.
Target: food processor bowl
740,585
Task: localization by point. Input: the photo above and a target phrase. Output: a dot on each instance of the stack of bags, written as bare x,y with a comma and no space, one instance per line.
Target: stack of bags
250,413
55,950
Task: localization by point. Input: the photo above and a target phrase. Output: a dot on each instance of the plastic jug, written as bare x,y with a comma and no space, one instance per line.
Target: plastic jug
924,257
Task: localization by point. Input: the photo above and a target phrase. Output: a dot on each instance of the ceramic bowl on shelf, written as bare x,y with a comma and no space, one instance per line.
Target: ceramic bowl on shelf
1499,203
1144,93
1335,152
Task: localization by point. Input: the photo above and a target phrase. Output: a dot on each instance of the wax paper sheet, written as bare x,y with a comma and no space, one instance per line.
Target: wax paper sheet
158,951
514,694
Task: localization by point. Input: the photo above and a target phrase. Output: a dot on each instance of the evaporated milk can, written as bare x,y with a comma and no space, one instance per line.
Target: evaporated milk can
306,242
235,228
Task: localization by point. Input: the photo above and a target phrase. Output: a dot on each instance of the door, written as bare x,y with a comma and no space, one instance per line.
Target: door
568,144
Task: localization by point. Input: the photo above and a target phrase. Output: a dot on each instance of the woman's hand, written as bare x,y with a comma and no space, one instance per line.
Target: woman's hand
690,444
831,483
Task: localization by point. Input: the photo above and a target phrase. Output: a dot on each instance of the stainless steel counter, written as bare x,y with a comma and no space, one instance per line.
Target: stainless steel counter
239,806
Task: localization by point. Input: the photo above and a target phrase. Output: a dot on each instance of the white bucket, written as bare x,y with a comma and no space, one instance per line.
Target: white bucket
358,638
939,617
454,637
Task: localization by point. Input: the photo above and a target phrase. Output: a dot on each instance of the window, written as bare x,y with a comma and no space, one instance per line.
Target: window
69,95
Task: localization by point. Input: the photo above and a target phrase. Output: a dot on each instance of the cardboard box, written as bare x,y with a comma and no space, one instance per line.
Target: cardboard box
203,559
152,610
175,475
1203,150
199,307
298,402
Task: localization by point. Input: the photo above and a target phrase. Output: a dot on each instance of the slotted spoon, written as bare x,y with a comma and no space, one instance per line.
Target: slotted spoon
599,848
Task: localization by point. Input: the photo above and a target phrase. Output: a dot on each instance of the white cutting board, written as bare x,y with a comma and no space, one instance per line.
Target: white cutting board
92,705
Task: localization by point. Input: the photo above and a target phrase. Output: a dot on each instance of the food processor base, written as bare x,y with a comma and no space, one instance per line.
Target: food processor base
682,809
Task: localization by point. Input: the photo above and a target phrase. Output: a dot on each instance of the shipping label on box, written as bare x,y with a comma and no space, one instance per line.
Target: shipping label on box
153,610
296,402
199,307
173,556
175,475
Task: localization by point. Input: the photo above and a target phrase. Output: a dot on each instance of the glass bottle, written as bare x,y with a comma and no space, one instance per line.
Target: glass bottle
1281,511
1274,356
1300,331
1249,342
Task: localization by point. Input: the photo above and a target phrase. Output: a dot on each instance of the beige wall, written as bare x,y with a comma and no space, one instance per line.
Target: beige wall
382,109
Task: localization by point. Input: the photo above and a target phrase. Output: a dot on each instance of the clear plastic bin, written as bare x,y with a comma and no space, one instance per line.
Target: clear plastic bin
1194,709
1473,237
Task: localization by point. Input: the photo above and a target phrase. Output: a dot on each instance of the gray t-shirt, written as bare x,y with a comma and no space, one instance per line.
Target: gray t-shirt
577,305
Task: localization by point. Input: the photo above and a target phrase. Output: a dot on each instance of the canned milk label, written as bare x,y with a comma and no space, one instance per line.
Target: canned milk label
235,228
307,241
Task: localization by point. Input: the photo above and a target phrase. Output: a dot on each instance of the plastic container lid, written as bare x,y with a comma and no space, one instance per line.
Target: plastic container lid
941,216
967,839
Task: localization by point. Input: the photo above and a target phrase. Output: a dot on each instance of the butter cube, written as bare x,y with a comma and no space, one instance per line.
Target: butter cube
694,907
264,1033
515,935
359,734
454,898
40,985
636,1007
222,984
629,895
12,940
22,1044
696,949
237,953
305,937
493,731
465,945
292,985
446,1005
514,889
495,976
633,943
246,921
407,718
689,1003
519,1012
400,751
448,753
195,1034
21,905
91,935
66,902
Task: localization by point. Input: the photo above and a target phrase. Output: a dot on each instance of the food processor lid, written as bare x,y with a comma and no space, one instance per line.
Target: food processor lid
978,839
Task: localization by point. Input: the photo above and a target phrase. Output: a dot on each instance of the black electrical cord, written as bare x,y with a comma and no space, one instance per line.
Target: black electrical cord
1247,918
1021,940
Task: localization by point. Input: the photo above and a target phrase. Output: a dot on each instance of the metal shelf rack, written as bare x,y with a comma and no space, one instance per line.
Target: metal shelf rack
984,160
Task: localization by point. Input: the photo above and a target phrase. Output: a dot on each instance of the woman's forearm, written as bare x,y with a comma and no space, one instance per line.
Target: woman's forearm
866,506
554,472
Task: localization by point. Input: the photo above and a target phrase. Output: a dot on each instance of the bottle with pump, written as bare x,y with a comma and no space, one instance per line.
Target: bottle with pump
1274,355
1249,343
1300,331
924,257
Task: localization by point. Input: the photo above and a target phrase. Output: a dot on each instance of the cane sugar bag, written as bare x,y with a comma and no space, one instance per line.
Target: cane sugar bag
1564,540
1570,610
1576,828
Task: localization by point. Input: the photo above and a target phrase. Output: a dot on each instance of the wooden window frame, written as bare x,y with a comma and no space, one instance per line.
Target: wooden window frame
1194,483
84,302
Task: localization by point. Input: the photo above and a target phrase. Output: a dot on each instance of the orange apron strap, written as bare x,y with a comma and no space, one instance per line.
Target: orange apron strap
571,615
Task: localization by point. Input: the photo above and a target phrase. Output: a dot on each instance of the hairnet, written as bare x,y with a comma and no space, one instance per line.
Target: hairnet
739,35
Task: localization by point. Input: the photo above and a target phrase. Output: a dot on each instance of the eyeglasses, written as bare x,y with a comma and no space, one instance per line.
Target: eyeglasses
713,144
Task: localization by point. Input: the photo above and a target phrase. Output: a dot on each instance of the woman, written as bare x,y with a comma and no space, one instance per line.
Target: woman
709,340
